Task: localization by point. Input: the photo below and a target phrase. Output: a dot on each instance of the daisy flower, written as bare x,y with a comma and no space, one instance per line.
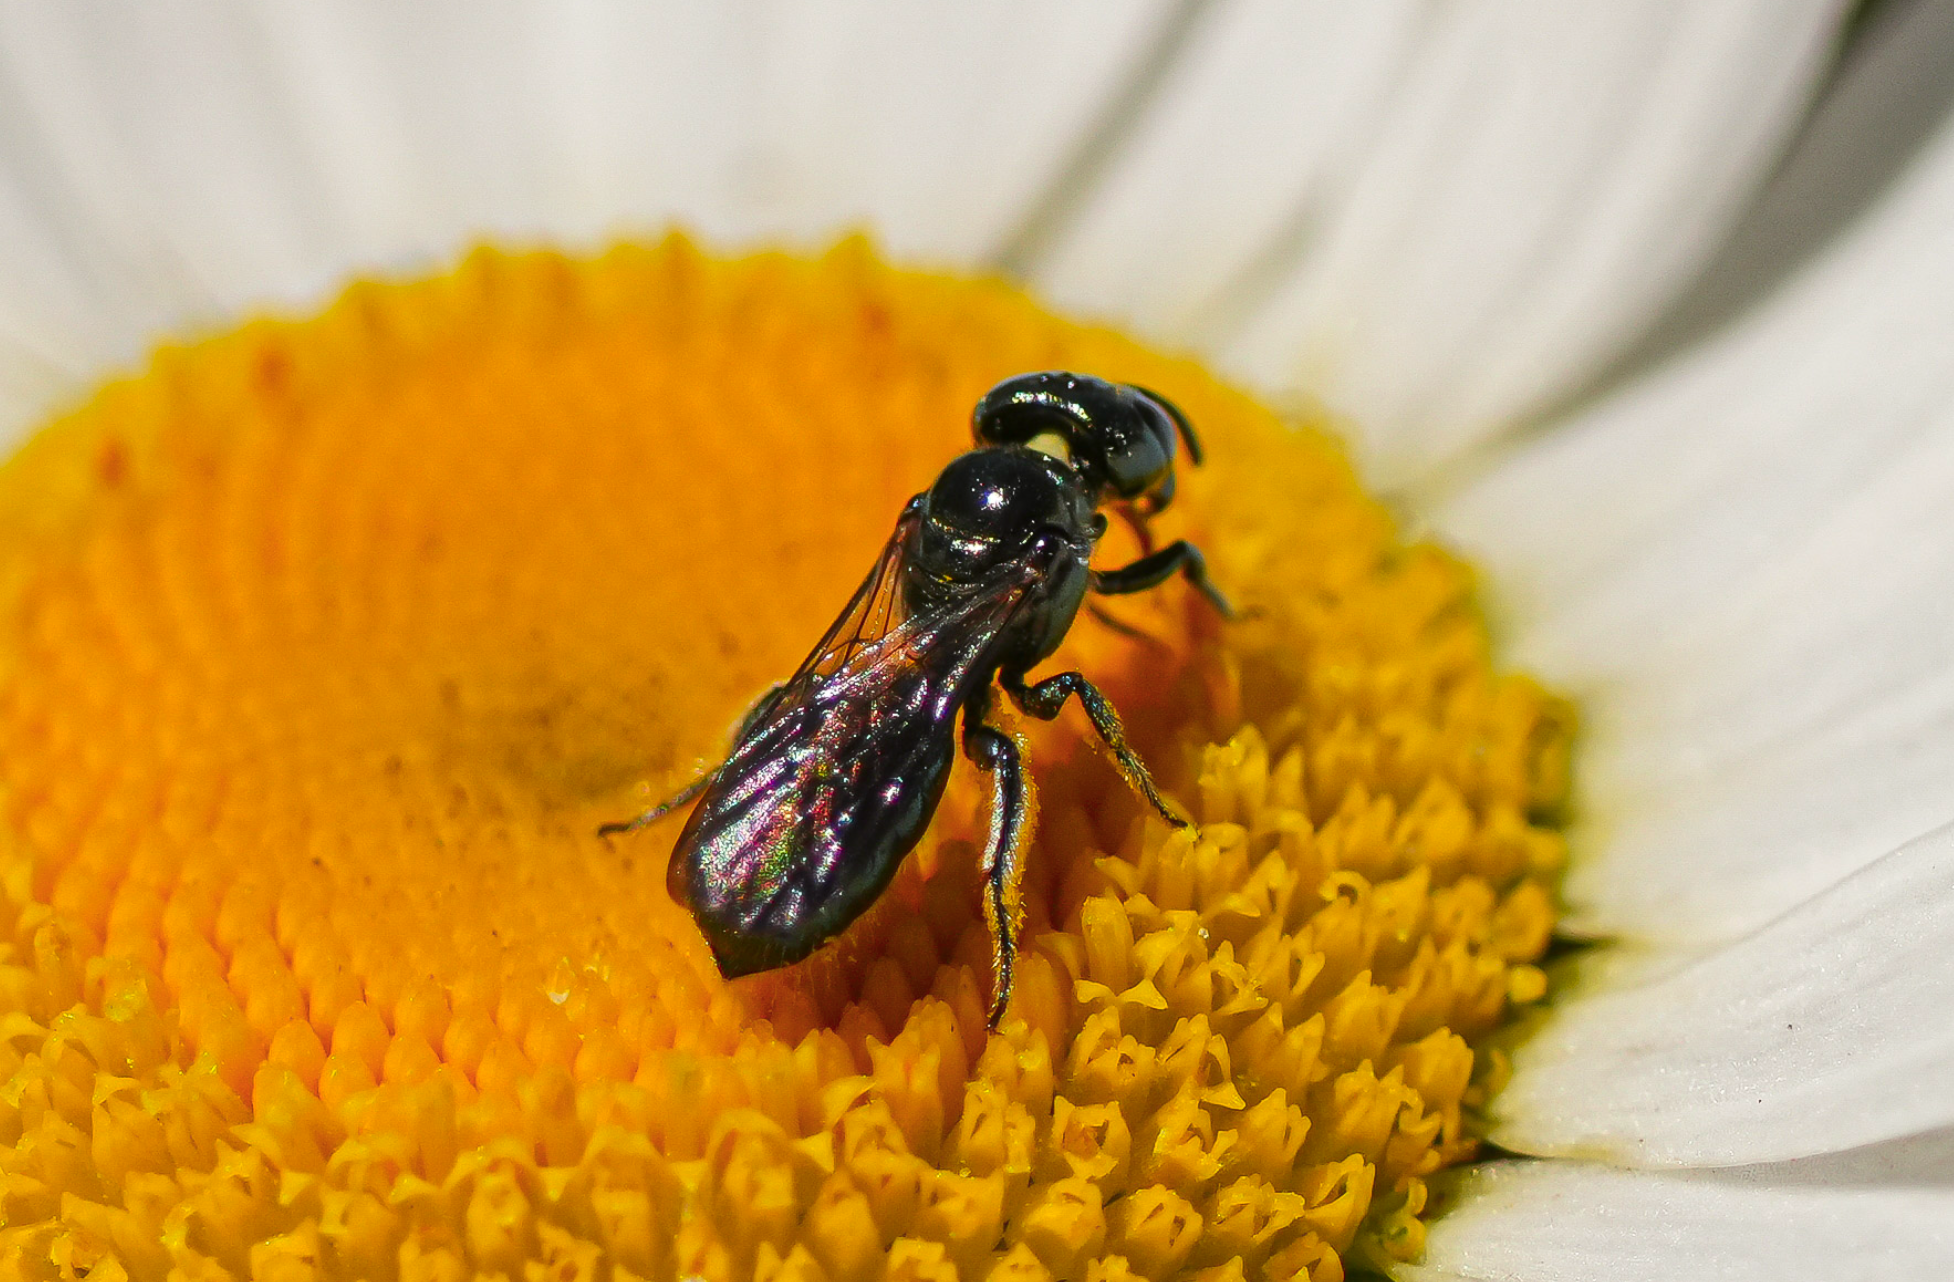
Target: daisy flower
327,643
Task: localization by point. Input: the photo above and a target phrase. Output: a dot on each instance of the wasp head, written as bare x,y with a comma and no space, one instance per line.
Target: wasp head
1120,439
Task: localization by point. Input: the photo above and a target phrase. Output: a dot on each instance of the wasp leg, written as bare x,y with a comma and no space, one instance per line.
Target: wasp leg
1179,557
996,755
1136,521
1117,624
757,710
663,808
1044,700
685,795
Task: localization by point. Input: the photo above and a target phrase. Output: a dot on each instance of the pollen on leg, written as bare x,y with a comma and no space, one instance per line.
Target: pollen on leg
326,646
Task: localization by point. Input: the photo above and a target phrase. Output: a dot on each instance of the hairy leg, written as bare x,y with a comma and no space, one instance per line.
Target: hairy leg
996,755
1044,700
684,796
681,798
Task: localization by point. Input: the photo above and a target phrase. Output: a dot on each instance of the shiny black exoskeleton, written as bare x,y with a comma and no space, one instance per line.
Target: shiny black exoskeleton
835,773
1120,440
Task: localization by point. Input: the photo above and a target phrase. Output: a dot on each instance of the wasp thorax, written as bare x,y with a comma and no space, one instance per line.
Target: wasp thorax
984,515
1003,497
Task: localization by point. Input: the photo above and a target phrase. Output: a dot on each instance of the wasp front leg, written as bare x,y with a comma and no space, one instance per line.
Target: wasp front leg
996,754
1046,698
1150,571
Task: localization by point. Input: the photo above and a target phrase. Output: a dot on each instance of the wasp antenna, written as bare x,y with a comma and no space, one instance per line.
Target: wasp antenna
1181,425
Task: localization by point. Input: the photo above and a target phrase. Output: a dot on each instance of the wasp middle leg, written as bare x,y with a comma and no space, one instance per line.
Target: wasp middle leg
1116,624
1044,700
997,755
1179,557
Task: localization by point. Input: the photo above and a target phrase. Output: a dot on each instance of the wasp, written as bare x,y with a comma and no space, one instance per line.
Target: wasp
835,773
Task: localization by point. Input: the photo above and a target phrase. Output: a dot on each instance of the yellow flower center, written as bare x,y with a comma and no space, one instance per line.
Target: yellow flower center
326,647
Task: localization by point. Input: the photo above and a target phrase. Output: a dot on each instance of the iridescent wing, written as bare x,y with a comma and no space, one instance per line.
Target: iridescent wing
872,613
874,610
836,776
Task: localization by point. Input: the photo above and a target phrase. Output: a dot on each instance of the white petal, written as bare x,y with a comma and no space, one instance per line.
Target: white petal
1889,93
935,126
1742,568
1825,1030
1271,101
1549,176
1556,1222
169,167
89,191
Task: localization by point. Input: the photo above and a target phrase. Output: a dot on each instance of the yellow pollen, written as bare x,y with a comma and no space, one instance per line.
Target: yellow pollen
326,647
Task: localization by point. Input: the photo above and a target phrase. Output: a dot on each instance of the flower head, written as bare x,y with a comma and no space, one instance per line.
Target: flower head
1444,224
392,606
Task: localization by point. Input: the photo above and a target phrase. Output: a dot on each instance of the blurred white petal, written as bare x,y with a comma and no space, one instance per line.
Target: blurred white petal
96,194
1824,1030
1270,105
166,168
1548,177
1742,569
1890,91
1563,1222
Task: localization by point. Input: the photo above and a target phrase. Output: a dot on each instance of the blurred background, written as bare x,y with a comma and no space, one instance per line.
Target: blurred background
1336,202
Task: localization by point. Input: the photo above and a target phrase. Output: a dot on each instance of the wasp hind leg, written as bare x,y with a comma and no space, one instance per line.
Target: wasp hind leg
684,796
996,754
680,798
1044,700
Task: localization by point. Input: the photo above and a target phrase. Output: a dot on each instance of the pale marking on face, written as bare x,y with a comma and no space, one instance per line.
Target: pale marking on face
1053,444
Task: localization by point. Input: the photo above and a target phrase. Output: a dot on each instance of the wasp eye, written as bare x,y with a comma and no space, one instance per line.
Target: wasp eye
1139,463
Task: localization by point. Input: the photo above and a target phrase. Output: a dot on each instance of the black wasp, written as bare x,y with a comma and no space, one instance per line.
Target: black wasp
834,774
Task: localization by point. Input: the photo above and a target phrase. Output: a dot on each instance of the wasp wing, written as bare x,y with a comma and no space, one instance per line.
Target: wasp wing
835,778
872,613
